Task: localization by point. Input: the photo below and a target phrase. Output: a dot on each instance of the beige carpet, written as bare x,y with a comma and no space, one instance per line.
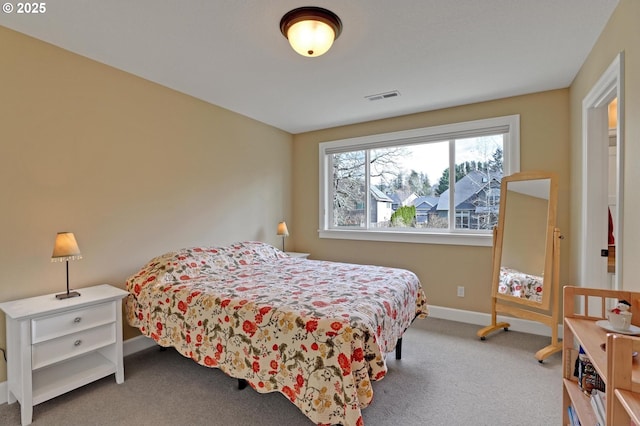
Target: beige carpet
447,377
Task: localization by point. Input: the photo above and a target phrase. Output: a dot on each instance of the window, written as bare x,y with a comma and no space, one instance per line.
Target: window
396,186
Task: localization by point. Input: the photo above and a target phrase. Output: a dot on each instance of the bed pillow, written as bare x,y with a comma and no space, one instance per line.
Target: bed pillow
197,262
174,267
252,252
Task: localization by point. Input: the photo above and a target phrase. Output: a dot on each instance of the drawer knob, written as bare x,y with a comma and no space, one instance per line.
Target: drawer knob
77,319
77,342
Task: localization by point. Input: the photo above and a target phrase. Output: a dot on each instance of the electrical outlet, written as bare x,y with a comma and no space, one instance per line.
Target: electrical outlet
460,291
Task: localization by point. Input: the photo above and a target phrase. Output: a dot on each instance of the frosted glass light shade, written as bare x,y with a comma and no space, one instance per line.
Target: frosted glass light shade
311,38
311,30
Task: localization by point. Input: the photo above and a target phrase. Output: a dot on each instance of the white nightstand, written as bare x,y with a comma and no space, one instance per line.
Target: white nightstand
54,346
295,254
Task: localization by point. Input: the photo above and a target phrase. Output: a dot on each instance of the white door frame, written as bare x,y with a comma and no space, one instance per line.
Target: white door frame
595,157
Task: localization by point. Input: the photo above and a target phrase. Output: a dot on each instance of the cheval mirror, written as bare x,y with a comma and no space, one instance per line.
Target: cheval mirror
526,252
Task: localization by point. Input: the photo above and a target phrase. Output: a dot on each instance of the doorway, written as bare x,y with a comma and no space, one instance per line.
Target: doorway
598,176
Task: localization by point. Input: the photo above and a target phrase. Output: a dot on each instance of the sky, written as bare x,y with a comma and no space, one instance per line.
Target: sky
432,159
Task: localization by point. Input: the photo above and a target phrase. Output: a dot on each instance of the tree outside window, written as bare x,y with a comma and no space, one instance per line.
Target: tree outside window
374,185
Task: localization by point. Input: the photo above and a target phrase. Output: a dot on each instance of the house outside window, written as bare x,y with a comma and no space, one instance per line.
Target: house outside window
396,186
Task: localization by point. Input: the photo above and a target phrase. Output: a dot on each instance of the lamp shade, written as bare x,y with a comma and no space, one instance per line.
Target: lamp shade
65,248
311,30
282,229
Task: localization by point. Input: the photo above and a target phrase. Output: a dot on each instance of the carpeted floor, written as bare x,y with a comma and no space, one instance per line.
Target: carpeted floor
447,377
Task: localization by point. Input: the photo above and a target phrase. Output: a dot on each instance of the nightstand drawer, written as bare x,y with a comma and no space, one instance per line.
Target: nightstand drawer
52,351
53,326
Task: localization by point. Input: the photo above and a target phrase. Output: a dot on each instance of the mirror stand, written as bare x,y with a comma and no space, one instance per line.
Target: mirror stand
550,319
526,256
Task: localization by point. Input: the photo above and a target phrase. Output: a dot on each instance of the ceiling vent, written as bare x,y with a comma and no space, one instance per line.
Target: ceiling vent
385,95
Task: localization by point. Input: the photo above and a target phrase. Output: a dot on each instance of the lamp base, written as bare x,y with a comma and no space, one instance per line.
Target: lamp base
67,295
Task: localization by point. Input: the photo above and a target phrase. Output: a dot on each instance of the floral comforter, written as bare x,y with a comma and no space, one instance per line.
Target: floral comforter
315,331
519,284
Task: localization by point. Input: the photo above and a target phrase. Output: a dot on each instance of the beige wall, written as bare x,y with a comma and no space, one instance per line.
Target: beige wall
544,121
622,33
132,168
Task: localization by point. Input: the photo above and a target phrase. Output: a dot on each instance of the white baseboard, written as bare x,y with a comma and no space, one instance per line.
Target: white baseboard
483,319
139,343
136,344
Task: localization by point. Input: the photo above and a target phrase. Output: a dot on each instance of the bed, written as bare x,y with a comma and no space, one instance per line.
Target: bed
315,331
520,284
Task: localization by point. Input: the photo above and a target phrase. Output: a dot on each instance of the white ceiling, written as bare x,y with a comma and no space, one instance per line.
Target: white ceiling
436,53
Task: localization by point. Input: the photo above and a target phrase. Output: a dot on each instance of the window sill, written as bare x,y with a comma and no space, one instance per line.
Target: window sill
458,239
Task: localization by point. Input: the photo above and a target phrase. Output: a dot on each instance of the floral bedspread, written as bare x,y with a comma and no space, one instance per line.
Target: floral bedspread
519,284
315,331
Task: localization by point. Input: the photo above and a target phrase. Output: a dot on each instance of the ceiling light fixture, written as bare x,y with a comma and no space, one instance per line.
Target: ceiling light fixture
310,30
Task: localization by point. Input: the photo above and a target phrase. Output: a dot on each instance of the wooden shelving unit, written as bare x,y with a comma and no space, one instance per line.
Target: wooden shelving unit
613,361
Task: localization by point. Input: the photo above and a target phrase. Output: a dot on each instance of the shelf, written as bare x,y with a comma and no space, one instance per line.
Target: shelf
590,337
581,403
65,376
631,403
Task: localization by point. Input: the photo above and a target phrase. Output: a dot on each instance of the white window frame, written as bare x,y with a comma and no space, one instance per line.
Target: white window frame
507,125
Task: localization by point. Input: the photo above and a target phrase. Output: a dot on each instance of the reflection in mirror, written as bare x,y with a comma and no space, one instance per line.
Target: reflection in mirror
522,262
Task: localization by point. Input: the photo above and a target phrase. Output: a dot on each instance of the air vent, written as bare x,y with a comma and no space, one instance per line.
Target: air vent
385,95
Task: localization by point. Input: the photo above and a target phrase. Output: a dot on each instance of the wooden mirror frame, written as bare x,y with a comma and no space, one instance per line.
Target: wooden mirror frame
516,306
547,272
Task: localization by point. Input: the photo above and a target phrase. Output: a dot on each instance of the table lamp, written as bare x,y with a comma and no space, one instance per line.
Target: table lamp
282,230
66,249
